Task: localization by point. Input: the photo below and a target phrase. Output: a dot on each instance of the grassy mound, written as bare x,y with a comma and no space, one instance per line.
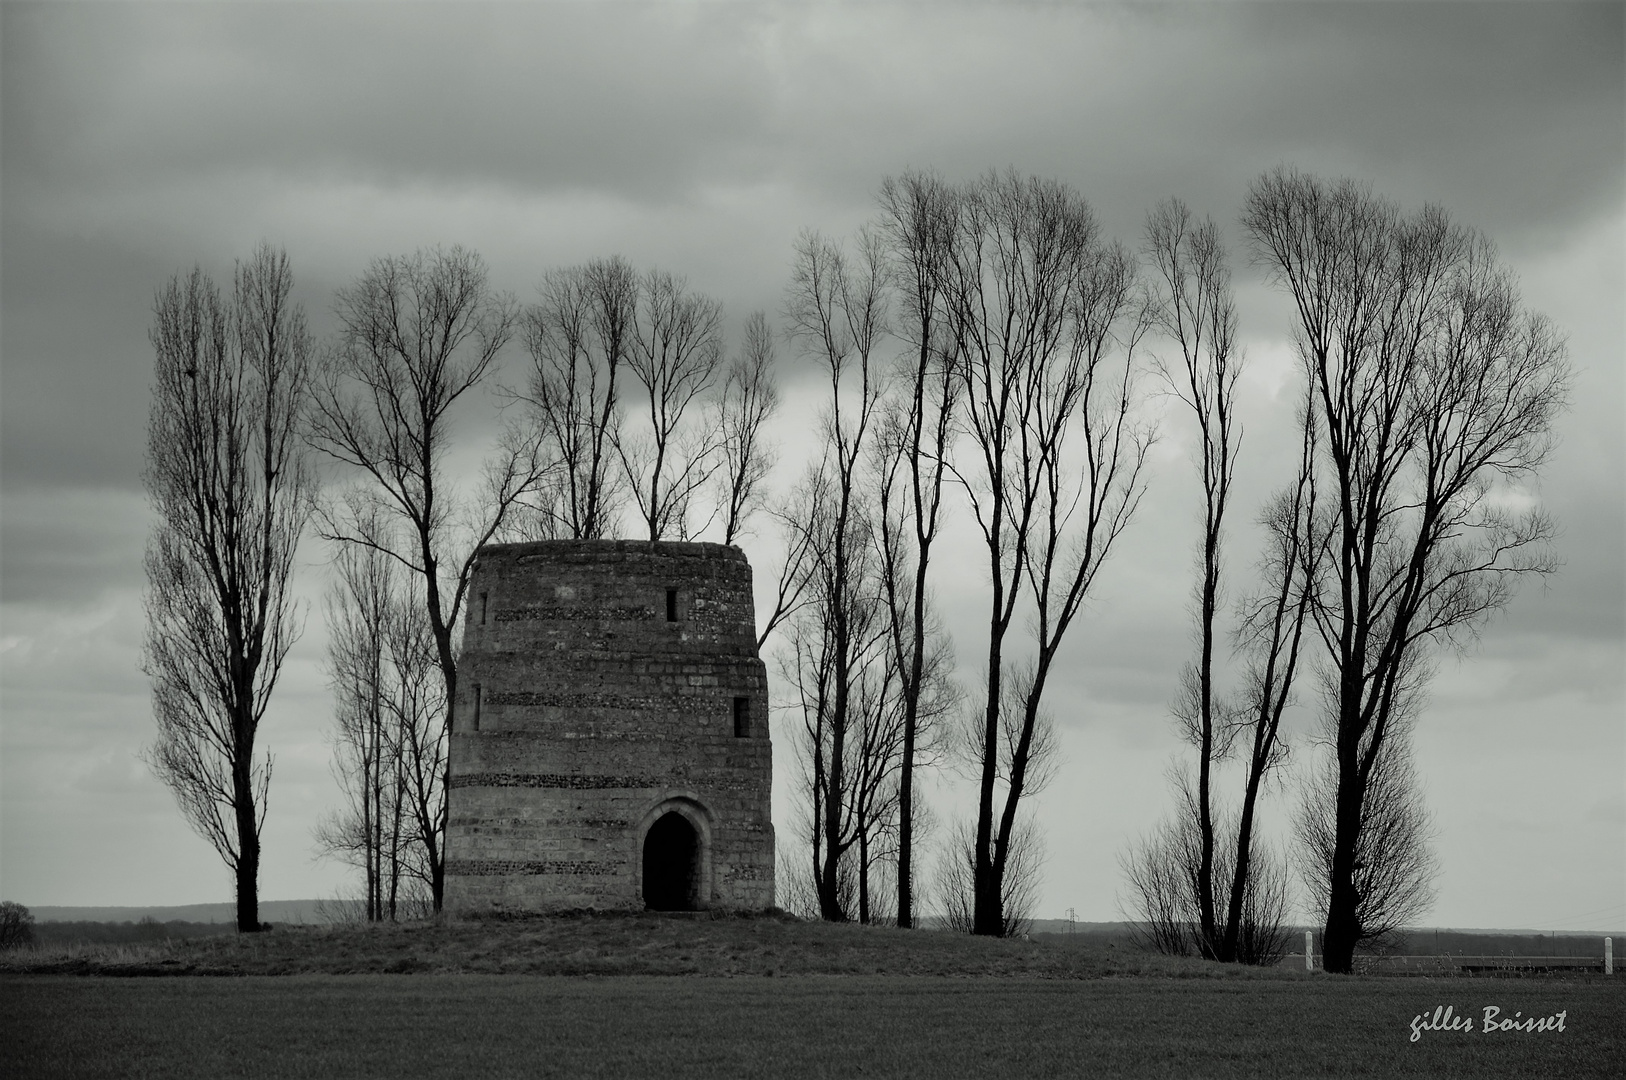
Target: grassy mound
616,944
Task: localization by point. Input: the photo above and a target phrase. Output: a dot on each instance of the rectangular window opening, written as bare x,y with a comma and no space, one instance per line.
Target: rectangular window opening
671,605
742,718
474,721
482,609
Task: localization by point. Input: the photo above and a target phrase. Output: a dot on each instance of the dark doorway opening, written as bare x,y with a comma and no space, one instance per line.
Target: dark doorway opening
672,865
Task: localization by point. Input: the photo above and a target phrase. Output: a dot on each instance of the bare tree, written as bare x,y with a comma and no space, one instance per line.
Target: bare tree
419,333
1394,858
365,831
749,400
581,338
928,697
1161,878
875,747
837,307
16,925
1162,889
384,677
957,871
231,492
838,650
1196,311
1046,317
416,710
919,214
1270,636
865,785
676,356
1435,394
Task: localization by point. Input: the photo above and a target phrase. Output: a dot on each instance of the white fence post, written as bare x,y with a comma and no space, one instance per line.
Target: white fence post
1309,950
1608,956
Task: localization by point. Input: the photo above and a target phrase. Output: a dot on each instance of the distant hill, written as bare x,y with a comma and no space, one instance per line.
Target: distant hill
272,911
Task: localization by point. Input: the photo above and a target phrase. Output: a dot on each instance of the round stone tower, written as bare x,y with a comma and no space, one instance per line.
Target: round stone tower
610,739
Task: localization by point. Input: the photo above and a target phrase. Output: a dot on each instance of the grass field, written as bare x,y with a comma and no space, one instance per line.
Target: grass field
803,1026
841,1001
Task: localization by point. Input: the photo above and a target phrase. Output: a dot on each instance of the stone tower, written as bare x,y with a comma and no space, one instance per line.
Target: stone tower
610,745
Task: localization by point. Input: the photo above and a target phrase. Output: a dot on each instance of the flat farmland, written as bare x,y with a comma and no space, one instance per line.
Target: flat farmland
672,998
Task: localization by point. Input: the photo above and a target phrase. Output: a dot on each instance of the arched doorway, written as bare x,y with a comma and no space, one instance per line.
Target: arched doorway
672,865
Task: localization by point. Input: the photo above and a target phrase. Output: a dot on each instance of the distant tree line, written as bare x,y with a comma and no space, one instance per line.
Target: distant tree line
983,350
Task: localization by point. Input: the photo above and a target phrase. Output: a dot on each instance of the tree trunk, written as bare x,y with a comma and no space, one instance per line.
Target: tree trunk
1231,941
829,894
1343,927
906,807
1205,817
987,918
248,850
863,877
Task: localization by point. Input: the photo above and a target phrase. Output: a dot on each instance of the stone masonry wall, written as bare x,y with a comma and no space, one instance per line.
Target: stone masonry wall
603,683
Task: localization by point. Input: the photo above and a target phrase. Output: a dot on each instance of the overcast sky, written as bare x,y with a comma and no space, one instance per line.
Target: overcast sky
700,138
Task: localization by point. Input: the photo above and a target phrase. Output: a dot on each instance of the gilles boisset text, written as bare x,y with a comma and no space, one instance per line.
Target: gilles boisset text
1443,1019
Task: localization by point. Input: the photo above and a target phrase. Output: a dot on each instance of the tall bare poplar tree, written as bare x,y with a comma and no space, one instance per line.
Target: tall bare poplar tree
1192,894
837,306
1198,313
920,218
1046,317
1435,392
419,333
231,491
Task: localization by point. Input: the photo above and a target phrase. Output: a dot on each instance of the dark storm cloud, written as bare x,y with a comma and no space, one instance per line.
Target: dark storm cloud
553,97
1510,109
132,131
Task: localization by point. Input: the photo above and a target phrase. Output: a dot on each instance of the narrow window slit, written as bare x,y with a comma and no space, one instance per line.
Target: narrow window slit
671,605
742,718
474,723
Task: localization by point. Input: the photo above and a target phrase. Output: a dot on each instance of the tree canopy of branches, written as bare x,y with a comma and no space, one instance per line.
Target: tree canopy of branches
1434,392
231,493
595,328
580,336
418,333
749,400
1046,317
1174,876
676,356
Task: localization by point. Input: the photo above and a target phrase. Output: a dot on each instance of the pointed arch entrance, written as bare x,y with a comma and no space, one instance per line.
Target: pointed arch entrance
676,856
